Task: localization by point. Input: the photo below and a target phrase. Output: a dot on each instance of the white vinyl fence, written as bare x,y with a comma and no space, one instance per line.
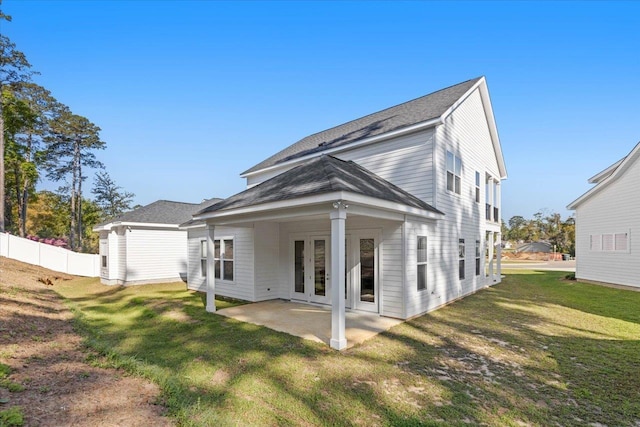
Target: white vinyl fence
51,257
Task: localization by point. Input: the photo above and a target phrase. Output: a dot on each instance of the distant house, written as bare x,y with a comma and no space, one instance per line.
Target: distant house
537,247
608,224
395,213
146,244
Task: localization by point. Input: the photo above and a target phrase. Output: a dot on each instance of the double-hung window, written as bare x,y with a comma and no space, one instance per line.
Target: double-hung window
477,257
461,251
203,258
477,187
223,259
454,172
422,262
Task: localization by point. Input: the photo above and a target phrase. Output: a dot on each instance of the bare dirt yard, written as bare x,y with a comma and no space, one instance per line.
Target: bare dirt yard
48,372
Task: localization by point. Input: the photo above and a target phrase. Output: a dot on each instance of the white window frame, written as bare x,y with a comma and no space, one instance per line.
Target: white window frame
420,262
454,169
477,195
203,258
478,257
223,258
597,242
461,259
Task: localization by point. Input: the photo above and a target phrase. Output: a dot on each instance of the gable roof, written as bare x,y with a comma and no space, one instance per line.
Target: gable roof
160,212
605,173
320,175
608,176
410,113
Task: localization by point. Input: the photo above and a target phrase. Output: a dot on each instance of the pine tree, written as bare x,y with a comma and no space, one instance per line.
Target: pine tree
71,143
110,197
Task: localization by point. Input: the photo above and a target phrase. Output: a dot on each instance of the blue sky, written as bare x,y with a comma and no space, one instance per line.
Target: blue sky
191,93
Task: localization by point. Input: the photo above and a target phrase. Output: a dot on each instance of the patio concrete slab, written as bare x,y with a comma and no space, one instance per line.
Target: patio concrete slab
312,322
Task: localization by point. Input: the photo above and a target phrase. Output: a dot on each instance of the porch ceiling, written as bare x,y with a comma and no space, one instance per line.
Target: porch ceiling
308,321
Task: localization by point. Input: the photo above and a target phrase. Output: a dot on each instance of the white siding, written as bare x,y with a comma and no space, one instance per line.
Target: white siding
267,255
115,251
242,287
119,273
154,255
466,134
195,279
405,161
615,209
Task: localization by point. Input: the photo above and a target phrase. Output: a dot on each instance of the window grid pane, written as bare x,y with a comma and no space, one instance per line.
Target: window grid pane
621,241
228,270
461,254
422,277
228,249
422,249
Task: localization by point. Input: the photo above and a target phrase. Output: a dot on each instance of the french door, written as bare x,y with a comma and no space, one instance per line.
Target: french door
311,269
311,272
364,272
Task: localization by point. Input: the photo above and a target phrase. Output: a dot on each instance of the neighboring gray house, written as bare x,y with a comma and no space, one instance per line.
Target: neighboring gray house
395,213
146,244
534,247
608,224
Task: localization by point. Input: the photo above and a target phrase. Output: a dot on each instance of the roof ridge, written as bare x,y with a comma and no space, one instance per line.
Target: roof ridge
415,111
389,108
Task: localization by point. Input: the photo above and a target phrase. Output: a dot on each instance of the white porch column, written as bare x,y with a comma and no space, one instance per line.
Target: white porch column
498,256
491,244
211,277
338,217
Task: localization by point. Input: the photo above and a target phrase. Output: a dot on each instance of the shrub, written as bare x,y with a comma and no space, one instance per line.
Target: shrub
12,417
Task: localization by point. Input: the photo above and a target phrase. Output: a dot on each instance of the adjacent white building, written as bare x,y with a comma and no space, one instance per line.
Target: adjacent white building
608,224
146,245
396,213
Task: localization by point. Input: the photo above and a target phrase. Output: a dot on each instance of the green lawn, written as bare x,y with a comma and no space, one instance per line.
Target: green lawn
534,350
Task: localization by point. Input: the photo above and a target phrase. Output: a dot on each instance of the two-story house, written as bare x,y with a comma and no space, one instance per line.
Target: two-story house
396,213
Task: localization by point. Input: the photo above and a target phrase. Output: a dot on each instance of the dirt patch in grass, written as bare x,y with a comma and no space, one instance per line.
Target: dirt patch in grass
47,359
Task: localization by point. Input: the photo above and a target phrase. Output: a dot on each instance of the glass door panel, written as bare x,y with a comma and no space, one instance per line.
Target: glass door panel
319,268
367,271
298,269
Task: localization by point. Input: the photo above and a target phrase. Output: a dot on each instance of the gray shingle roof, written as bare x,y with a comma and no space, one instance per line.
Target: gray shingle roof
535,247
162,212
319,175
409,113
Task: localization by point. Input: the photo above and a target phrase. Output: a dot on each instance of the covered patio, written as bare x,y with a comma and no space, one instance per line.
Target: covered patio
312,322
324,188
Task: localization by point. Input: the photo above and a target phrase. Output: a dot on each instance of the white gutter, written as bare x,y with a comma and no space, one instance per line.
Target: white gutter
322,198
111,225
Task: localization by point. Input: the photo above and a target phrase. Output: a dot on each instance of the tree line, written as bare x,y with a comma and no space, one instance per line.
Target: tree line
41,137
544,226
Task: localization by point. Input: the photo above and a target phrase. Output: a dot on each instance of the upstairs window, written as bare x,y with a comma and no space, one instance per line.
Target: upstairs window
477,187
454,173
